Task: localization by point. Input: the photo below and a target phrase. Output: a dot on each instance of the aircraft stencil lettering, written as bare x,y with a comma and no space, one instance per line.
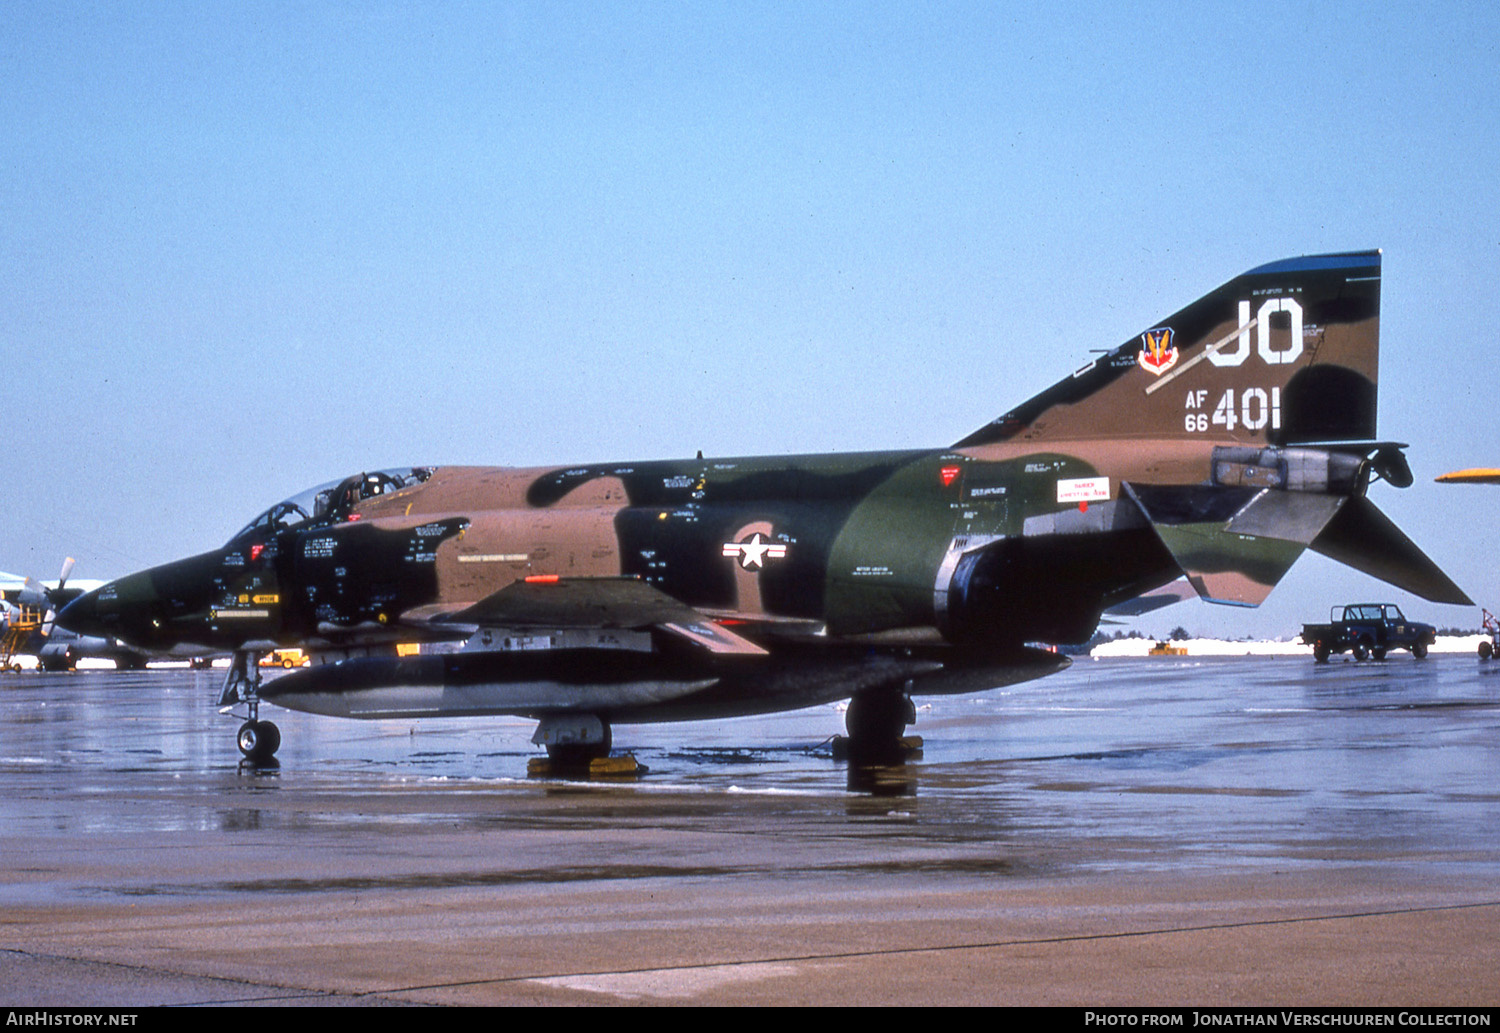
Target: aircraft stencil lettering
697,588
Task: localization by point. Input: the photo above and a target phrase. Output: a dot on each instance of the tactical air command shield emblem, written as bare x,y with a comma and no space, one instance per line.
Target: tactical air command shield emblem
1158,354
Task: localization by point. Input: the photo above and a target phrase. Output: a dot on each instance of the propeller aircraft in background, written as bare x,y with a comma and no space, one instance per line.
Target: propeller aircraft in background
28,611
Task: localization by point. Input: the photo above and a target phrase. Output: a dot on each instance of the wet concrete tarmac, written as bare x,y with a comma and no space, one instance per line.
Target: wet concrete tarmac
1148,831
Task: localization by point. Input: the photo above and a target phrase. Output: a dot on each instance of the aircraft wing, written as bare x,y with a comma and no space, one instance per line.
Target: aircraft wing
1477,475
594,603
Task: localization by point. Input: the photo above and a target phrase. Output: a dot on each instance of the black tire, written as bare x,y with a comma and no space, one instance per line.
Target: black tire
258,740
1360,651
581,754
1378,652
1419,650
248,739
1486,650
878,715
876,721
575,755
1320,653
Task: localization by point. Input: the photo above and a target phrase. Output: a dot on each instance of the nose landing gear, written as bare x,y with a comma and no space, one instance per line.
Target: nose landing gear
258,740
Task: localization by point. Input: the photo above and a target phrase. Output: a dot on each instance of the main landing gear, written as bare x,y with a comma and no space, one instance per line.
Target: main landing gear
876,721
258,740
578,747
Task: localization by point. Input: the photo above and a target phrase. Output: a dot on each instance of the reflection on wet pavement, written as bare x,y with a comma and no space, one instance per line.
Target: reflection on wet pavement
1158,763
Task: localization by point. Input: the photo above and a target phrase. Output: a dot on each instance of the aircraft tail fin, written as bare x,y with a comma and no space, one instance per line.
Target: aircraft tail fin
1285,353
1274,376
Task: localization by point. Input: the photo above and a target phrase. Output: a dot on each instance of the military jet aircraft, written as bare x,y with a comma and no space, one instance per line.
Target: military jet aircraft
1217,445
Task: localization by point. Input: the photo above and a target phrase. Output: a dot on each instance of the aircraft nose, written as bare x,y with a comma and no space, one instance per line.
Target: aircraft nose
179,604
83,615
121,609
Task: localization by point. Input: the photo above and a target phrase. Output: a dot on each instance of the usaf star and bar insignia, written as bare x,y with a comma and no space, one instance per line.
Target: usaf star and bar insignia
754,552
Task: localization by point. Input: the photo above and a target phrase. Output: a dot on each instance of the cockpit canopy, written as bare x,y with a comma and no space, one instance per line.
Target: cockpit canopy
330,503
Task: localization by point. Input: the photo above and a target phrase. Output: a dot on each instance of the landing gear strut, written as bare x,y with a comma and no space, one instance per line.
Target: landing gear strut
258,740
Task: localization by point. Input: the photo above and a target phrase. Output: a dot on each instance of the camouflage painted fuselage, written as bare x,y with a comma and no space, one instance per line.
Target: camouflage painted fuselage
856,544
848,545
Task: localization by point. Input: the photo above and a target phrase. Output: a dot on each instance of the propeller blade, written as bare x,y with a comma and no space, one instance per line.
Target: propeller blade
33,593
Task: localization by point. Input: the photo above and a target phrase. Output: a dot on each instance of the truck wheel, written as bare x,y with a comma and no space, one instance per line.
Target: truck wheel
1378,653
1419,650
1360,652
1320,653
1486,650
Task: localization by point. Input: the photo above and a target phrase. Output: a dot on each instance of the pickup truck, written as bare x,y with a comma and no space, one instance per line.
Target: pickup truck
1368,630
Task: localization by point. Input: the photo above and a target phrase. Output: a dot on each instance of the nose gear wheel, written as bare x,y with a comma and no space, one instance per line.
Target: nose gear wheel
258,740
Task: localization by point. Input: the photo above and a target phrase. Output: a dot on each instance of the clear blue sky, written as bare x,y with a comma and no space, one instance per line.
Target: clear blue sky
248,248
